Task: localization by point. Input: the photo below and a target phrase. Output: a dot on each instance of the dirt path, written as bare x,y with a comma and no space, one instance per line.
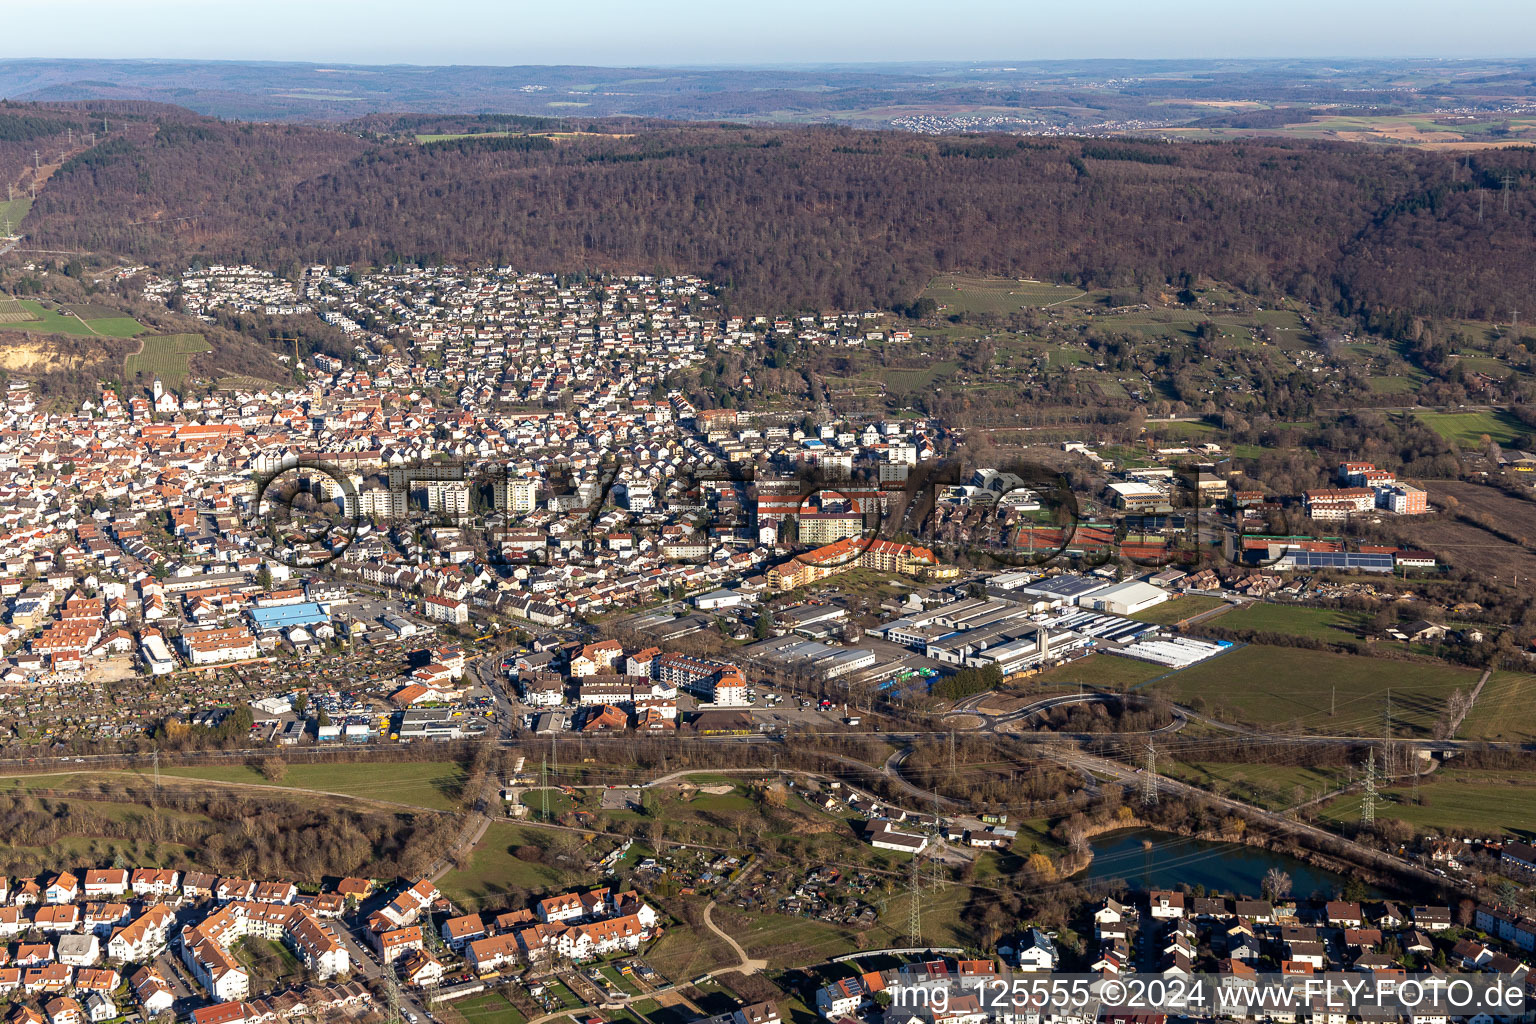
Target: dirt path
747,965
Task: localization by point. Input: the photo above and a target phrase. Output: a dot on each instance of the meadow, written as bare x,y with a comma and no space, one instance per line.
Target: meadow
1177,609
1477,802
1271,786
960,293
1099,670
432,784
494,876
1318,692
14,211
1466,429
51,321
1329,624
1505,709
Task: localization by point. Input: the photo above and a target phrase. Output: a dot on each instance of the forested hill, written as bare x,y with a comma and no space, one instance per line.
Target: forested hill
820,217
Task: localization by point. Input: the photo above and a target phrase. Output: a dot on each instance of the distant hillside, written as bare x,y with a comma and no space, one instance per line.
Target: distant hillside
1080,93
819,217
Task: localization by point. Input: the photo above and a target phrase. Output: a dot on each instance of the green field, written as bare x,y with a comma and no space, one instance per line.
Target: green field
485,1008
433,784
1103,670
683,953
49,321
722,802
559,803
494,873
1268,785
781,938
1294,687
1294,620
1196,432
1393,385
960,293
1059,357
267,958
1490,365
1478,802
619,981
165,356
15,211
1177,608
1467,428
1505,710
424,139
562,992
906,381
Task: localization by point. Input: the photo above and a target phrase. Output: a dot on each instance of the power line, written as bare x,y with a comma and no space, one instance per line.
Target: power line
1149,777
1368,805
915,907
392,994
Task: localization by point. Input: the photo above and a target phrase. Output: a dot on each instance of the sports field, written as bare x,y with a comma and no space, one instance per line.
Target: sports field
1291,687
165,356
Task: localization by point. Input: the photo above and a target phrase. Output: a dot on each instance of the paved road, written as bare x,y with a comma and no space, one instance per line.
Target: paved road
1180,715
354,937
183,991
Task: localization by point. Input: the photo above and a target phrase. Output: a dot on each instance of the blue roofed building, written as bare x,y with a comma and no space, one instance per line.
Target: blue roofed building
283,616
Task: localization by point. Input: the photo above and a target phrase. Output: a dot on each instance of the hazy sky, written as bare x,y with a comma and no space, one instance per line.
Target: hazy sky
639,32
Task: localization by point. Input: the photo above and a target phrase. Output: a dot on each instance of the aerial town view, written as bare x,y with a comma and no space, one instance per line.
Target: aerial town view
836,513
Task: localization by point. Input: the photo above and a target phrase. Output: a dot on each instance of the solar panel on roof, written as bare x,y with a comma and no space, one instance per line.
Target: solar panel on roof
1341,560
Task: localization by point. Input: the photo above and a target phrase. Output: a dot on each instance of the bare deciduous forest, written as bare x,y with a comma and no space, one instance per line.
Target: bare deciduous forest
780,218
